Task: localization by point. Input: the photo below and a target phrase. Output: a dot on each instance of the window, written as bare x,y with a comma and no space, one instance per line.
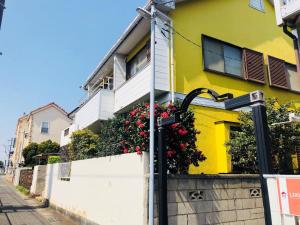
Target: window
257,4
66,132
222,57
283,74
293,77
138,62
45,128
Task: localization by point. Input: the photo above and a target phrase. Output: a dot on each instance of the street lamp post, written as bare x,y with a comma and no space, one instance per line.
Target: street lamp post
151,16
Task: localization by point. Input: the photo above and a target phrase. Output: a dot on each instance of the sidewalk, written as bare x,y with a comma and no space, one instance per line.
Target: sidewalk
16,209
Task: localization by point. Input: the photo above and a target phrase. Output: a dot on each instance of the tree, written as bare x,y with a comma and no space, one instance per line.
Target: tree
129,132
48,147
34,149
242,145
83,145
28,152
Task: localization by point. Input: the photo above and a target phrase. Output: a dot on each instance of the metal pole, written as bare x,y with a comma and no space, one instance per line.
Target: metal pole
263,154
152,119
162,178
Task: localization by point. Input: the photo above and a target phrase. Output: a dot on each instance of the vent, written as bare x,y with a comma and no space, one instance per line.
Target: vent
255,192
277,73
254,66
196,195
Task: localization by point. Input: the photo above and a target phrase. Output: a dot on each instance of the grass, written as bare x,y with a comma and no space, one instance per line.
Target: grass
23,190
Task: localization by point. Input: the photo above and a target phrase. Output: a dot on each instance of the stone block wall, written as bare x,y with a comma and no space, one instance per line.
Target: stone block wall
25,179
214,200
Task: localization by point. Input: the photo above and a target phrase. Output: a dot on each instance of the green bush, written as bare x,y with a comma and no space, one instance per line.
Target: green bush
284,138
29,152
83,145
23,190
54,159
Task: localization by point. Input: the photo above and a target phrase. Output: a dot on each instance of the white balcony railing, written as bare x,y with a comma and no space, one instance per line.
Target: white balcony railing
286,10
98,107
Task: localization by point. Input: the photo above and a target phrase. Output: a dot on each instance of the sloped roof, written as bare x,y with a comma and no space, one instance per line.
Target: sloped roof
52,104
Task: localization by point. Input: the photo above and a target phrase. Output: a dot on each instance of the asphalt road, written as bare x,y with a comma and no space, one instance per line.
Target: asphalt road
16,209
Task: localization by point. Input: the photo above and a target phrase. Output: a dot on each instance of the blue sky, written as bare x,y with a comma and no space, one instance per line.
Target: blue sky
49,48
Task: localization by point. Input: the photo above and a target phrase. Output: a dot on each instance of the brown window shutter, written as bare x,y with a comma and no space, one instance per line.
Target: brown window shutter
254,66
277,73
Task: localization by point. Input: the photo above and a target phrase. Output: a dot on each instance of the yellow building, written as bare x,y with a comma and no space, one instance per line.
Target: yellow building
226,30
226,45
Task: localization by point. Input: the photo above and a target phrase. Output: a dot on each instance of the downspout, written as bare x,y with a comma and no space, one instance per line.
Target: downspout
296,46
172,64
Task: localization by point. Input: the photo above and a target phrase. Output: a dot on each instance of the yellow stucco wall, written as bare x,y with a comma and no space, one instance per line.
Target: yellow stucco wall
235,22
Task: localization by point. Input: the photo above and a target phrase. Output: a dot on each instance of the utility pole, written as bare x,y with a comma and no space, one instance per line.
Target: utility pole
10,146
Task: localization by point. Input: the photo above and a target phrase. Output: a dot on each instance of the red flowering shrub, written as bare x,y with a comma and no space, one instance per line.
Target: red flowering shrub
133,136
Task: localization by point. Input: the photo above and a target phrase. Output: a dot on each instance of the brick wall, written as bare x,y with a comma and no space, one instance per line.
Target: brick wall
26,178
215,199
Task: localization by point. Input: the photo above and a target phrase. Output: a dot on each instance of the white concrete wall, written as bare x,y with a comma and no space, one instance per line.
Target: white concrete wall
109,190
38,180
99,107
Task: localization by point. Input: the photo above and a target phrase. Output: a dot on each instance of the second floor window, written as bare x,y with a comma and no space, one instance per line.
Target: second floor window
229,59
138,62
45,128
66,132
222,57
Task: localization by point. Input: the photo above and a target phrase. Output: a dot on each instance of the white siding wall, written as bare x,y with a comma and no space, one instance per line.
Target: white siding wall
64,140
109,190
99,107
138,86
119,70
162,58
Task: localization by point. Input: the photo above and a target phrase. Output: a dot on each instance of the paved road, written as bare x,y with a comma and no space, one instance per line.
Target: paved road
18,210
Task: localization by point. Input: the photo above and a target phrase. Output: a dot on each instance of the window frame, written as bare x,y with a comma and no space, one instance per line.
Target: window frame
242,77
41,130
148,55
262,9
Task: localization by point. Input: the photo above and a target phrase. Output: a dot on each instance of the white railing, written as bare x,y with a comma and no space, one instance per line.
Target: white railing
286,10
98,107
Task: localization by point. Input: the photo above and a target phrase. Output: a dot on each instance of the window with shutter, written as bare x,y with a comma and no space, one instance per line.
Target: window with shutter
254,66
277,73
293,77
222,57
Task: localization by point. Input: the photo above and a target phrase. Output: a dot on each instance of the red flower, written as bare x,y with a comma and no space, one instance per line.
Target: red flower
142,133
182,132
147,105
182,147
143,144
155,106
174,125
170,153
138,123
141,126
125,150
142,116
138,150
165,115
126,122
132,113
